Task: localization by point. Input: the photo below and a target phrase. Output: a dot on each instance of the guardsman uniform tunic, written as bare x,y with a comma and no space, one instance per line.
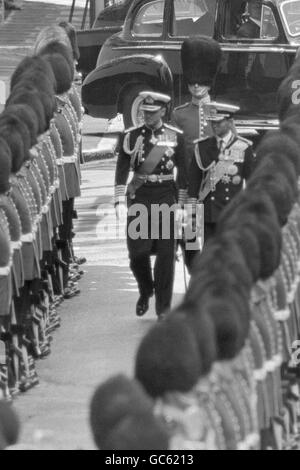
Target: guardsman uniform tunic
157,188
238,160
5,267
190,118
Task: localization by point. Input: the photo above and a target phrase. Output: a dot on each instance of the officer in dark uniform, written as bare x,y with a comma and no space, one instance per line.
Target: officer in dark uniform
220,166
200,59
152,151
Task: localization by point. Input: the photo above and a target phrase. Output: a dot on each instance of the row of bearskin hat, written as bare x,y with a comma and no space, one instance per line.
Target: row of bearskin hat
40,151
217,372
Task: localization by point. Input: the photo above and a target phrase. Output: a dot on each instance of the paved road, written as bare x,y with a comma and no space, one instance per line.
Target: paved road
99,333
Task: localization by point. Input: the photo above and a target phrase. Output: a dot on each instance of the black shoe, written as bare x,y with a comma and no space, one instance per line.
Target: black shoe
142,305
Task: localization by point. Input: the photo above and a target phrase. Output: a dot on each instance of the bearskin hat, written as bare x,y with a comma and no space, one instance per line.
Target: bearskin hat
56,47
215,256
31,66
50,34
200,58
269,237
28,116
203,329
278,187
281,143
5,166
247,242
62,72
278,163
137,432
290,128
39,81
48,100
31,98
15,143
168,359
13,122
230,337
9,424
113,401
72,35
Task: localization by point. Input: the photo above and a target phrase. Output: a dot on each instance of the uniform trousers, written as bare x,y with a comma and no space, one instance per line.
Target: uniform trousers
163,246
209,230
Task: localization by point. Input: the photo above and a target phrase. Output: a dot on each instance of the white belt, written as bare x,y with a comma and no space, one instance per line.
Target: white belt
72,159
270,366
45,209
27,238
16,245
62,161
282,315
260,375
5,271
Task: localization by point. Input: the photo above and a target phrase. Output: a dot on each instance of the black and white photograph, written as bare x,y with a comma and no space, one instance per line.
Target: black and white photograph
150,227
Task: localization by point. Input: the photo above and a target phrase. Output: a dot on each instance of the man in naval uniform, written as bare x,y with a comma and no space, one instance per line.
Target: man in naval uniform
200,59
220,166
152,151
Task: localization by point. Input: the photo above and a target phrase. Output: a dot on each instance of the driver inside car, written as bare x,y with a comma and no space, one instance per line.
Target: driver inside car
251,21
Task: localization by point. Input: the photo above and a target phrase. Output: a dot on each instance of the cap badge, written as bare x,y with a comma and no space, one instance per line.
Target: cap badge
149,100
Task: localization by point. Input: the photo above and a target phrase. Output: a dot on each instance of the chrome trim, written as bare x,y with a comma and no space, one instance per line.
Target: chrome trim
177,47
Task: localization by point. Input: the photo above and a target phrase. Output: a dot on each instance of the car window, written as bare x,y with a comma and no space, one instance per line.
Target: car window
252,79
193,17
249,20
149,20
291,15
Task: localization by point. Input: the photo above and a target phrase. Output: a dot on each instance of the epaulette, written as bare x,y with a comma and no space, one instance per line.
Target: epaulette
175,129
196,141
185,105
133,128
249,142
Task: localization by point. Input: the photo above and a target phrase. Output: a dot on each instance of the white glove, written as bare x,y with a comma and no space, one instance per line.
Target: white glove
121,212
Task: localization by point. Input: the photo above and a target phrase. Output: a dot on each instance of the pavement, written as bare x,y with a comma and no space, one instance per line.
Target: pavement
99,333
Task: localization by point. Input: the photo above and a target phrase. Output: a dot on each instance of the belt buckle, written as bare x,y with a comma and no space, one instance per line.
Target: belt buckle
153,178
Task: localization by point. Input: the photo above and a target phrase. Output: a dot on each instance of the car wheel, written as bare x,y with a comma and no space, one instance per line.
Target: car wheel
132,114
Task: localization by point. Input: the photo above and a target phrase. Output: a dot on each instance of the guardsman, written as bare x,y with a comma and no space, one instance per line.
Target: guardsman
200,59
220,166
122,417
152,151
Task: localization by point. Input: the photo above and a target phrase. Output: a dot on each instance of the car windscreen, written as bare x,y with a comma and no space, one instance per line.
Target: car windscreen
290,11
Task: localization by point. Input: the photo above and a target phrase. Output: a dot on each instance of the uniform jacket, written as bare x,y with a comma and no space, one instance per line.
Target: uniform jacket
143,140
207,152
190,118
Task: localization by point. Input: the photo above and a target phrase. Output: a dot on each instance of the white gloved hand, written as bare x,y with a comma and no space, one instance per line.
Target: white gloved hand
121,212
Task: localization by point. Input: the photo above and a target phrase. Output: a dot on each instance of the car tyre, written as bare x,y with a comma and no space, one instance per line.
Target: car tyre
131,106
